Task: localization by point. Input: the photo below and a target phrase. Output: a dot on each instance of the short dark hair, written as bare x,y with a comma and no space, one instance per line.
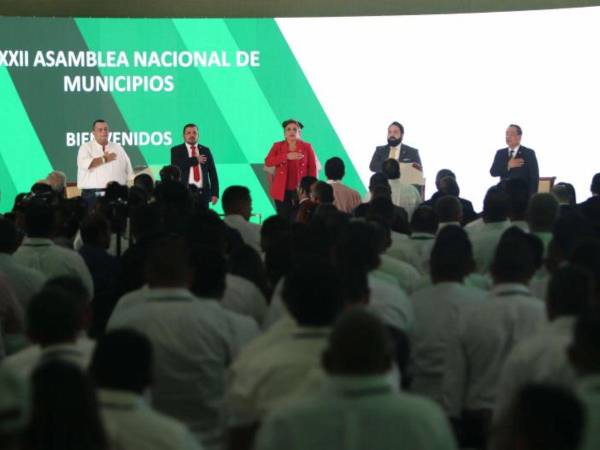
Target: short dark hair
93,228
570,291
542,212
170,173
313,295
8,236
122,360
306,182
209,269
167,262
39,218
443,173
514,259
451,255
189,125
517,190
516,127
144,181
234,197
54,316
335,169
397,124
425,220
448,185
357,247
595,186
391,168
448,209
565,192
358,345
323,192
495,204
377,179
273,229
97,121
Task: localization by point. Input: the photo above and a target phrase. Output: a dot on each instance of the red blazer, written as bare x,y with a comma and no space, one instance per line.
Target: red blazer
277,158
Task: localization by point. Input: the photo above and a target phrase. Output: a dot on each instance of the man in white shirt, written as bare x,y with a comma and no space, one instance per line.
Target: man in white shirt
237,206
404,195
486,335
122,370
194,338
39,252
439,308
542,358
99,162
356,406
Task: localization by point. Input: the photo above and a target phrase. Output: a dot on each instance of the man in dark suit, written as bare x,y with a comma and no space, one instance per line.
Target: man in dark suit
516,161
197,165
395,149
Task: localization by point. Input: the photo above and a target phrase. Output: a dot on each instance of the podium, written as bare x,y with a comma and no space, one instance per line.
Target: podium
410,175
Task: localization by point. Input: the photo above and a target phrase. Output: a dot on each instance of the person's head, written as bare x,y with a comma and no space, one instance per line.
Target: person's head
58,182
237,200
322,193
395,133
65,411
209,269
292,130
56,316
167,265
542,212
541,417
565,193
448,186
146,220
39,219
442,174
595,186
272,229
570,292
514,260
95,231
100,131
495,205
567,232
14,408
9,237
305,187
424,220
451,255
122,361
586,255
191,134
517,190
378,179
391,168
513,135
358,247
359,345
448,209
584,351
335,169
313,295
146,183
170,173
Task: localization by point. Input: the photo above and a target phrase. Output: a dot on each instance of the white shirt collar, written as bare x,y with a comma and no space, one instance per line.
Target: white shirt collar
515,150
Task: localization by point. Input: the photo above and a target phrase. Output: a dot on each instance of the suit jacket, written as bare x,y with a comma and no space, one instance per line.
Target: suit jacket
382,152
528,171
210,182
277,158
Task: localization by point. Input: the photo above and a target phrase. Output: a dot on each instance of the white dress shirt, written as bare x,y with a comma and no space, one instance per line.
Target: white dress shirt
402,273
486,335
541,358
53,261
438,309
25,282
405,196
485,239
194,342
243,297
191,179
357,413
98,177
249,231
79,353
132,425
416,251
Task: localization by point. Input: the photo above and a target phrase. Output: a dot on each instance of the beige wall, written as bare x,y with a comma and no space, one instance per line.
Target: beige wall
265,8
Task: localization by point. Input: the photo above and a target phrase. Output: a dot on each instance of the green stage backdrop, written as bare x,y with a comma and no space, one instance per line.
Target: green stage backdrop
236,78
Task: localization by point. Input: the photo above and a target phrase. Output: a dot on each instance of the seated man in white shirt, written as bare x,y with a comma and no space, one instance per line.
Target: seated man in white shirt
39,252
237,206
439,308
194,339
122,370
57,318
542,358
487,333
356,406
403,195
99,162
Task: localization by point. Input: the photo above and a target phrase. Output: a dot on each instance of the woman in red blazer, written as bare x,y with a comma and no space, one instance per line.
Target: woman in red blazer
292,160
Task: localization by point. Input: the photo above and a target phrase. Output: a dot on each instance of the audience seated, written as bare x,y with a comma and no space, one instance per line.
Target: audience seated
404,195
237,205
542,213
446,184
517,190
346,199
590,208
14,409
